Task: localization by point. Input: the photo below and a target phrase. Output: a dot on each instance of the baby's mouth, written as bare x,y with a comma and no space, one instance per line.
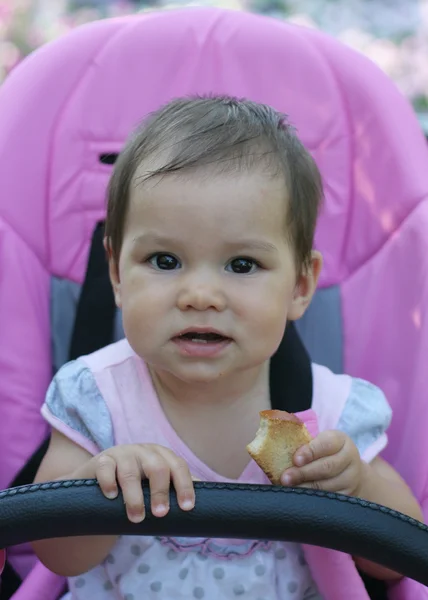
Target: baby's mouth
202,337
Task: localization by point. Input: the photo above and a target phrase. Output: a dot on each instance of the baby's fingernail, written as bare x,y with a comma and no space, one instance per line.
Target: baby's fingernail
160,509
111,495
187,504
286,479
300,460
137,517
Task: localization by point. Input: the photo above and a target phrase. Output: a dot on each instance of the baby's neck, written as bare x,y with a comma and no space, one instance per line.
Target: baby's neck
239,389
216,422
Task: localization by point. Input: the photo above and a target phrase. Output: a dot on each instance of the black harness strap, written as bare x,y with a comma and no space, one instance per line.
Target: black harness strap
94,322
291,382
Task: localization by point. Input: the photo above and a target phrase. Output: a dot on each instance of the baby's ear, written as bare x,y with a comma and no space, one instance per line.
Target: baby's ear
305,287
113,268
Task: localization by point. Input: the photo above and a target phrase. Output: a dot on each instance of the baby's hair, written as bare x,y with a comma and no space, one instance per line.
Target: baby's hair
220,135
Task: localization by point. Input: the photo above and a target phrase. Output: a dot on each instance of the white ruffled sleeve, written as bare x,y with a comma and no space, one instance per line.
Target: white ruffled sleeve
366,417
75,407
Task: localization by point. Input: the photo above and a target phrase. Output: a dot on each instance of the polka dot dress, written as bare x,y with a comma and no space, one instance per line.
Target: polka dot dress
163,569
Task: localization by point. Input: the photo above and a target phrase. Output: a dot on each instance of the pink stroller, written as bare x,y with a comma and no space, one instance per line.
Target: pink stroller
65,113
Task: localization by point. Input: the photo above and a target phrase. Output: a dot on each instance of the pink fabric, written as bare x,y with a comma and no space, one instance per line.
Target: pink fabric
384,306
24,327
73,99
40,583
117,368
328,412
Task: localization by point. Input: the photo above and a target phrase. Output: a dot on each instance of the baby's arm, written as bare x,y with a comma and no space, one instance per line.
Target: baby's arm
382,484
121,466
331,462
82,447
69,556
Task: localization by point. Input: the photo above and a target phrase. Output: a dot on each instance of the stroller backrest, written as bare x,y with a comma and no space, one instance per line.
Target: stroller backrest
66,111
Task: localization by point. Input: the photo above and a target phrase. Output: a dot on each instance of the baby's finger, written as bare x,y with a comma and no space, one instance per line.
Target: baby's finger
183,483
181,478
160,484
335,484
129,477
158,472
344,483
319,470
326,443
105,472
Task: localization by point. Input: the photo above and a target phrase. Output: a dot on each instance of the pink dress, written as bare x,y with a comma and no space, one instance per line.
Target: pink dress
107,398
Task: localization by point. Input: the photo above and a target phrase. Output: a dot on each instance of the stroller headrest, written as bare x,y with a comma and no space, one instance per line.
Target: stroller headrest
76,100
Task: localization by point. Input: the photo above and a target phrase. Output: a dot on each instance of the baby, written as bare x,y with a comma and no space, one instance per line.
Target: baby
212,209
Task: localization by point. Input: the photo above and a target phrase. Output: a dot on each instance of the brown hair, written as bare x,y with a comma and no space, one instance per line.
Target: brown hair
221,134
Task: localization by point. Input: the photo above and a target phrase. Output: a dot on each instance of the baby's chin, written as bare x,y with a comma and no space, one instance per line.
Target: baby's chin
206,372
194,375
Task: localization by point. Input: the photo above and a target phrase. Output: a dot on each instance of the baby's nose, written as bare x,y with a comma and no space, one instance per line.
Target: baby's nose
202,296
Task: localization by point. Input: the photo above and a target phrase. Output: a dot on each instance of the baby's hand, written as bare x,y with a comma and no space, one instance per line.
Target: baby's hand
330,462
127,465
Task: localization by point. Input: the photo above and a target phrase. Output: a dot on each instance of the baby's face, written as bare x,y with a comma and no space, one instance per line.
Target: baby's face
207,277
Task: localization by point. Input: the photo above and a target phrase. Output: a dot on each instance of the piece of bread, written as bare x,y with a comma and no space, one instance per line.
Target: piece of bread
279,436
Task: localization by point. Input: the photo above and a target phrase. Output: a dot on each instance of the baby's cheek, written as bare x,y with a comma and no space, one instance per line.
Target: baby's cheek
274,319
268,318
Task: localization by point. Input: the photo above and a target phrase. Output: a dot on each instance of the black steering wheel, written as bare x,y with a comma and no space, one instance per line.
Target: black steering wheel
347,524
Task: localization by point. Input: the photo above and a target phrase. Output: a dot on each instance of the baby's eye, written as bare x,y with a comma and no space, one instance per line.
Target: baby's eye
164,262
242,266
